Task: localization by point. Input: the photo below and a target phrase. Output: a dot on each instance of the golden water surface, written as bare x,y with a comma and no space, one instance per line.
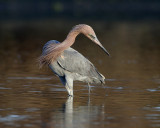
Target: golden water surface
32,98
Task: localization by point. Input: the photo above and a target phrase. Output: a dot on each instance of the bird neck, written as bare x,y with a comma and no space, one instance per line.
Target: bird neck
70,39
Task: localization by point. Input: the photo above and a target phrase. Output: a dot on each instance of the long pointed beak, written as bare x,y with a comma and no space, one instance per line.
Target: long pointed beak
101,46
104,50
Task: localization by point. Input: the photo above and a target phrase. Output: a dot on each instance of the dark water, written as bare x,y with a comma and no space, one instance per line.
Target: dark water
31,97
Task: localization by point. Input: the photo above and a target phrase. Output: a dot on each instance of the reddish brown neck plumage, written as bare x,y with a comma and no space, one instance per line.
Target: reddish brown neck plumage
68,41
53,51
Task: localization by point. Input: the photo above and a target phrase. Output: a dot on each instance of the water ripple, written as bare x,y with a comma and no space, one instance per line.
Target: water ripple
30,78
11,119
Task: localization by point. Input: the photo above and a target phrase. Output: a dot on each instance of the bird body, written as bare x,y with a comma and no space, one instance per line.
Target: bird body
68,64
73,63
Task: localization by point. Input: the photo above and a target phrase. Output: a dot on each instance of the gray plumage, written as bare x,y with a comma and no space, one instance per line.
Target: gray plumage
71,66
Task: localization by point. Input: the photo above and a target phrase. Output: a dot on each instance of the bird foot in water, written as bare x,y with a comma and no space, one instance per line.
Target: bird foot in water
69,95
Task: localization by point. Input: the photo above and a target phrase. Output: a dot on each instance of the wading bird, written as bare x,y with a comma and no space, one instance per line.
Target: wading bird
68,64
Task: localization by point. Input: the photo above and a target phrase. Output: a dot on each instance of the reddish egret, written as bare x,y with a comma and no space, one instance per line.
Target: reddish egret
68,64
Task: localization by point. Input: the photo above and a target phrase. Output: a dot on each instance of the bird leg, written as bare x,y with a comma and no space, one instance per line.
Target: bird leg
69,86
89,88
68,83
70,92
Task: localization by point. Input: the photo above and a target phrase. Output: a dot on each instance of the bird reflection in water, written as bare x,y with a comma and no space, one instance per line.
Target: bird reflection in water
70,116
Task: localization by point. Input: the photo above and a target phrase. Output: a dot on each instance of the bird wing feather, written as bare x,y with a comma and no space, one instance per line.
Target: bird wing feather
72,61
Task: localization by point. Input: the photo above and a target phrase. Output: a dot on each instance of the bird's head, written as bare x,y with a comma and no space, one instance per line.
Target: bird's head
89,32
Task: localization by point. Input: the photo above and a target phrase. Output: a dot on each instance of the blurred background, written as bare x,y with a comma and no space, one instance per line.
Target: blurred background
123,27
128,29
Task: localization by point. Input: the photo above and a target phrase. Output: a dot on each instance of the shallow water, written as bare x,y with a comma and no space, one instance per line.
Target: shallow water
31,97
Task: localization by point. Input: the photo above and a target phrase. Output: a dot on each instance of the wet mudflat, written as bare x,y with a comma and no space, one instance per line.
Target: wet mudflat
31,97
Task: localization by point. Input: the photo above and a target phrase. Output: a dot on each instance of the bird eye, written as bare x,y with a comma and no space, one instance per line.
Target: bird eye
93,37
